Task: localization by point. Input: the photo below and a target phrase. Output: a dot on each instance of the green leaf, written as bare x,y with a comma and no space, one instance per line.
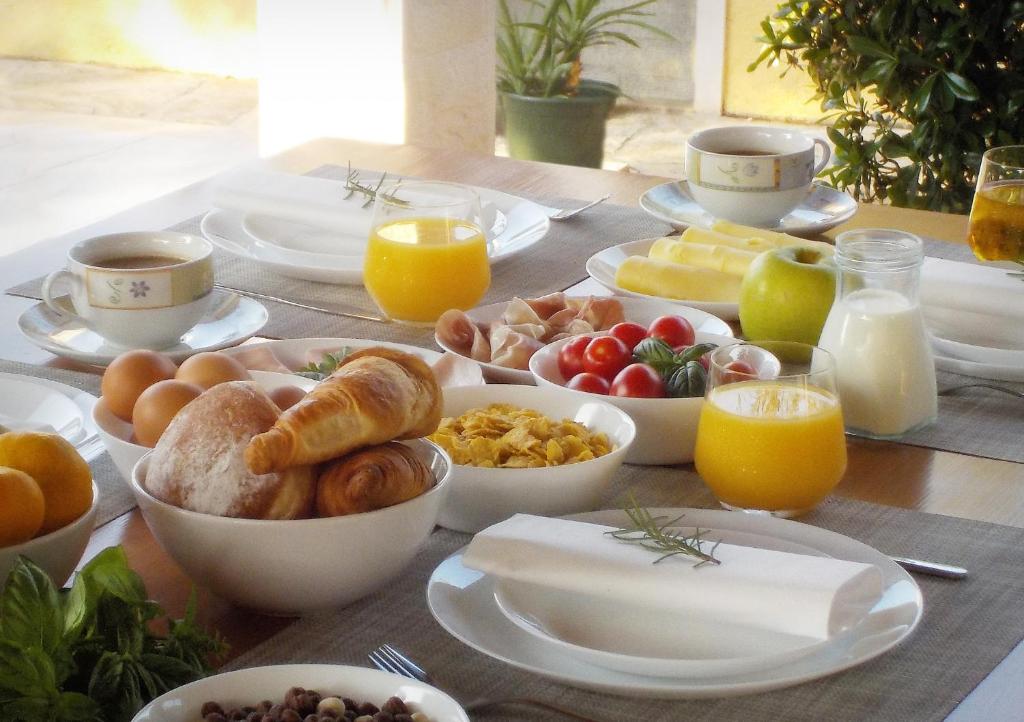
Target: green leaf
27,671
867,46
30,609
73,706
960,86
687,381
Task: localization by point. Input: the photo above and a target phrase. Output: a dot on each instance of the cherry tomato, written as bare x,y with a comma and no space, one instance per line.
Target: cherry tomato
737,371
638,381
570,357
673,330
591,383
629,333
606,356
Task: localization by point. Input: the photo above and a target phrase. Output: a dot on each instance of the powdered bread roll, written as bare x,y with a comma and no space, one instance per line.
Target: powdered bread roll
199,464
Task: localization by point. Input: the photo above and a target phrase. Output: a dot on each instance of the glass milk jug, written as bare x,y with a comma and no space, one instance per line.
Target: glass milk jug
884,366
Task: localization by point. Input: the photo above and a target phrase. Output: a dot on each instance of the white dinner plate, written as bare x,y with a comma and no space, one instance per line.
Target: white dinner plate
996,372
977,353
230,320
639,310
603,265
42,402
824,208
308,253
292,354
462,601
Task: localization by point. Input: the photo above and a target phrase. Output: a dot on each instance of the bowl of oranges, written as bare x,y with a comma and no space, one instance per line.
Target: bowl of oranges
48,503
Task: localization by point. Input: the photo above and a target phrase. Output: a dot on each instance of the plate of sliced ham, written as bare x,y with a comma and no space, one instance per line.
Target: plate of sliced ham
502,337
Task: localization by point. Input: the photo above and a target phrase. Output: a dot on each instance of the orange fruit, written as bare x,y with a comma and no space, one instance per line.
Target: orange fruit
21,507
62,475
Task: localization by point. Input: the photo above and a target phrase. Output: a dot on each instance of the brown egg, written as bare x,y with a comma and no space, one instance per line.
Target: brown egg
211,368
157,405
286,396
129,375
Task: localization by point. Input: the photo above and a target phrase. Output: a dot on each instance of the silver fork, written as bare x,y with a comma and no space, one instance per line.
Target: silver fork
563,214
389,659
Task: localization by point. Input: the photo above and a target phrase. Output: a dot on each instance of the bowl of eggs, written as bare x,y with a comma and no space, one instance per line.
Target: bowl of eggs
142,391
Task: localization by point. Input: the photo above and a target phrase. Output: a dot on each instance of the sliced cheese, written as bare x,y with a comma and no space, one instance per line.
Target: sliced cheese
718,258
713,238
655,277
774,237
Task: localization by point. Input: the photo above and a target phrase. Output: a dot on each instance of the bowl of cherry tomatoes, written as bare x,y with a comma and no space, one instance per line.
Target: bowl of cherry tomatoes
656,374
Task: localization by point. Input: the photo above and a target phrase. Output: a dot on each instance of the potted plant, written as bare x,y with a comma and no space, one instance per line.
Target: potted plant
549,112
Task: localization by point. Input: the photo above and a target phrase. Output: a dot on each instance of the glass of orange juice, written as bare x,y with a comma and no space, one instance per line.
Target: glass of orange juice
427,251
770,438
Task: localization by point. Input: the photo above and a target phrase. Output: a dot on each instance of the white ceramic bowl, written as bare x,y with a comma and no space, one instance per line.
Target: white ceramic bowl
480,497
296,566
117,434
637,310
666,429
249,686
58,552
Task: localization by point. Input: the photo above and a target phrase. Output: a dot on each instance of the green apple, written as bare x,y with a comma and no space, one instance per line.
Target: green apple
786,294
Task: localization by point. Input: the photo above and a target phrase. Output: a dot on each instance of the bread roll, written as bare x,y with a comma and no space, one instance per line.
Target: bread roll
376,395
371,479
199,464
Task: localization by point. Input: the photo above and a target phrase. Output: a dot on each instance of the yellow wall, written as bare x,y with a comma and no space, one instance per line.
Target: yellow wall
204,36
762,93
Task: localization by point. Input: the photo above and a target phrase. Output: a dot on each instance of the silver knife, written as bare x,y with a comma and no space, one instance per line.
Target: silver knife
935,569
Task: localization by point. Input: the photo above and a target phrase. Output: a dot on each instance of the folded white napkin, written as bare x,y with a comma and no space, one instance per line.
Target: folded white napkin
314,201
814,597
9,423
973,304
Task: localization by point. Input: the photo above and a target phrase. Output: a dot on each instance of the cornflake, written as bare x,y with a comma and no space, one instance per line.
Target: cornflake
508,437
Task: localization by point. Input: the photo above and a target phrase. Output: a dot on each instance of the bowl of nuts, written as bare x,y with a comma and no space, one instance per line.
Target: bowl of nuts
304,692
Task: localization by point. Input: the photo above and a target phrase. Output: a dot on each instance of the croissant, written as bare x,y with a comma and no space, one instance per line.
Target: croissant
371,479
376,395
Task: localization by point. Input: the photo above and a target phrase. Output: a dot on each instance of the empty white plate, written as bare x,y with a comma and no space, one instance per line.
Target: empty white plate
824,208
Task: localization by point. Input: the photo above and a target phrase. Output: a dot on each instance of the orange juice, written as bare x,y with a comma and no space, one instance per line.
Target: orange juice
770,446
418,268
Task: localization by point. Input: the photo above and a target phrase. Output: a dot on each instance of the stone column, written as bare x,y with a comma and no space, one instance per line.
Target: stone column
418,71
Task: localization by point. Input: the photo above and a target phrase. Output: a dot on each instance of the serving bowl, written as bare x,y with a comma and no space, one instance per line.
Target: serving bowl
666,429
637,310
58,552
118,434
249,686
291,567
483,496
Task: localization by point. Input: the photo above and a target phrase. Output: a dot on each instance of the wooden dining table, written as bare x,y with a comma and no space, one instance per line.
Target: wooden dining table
885,473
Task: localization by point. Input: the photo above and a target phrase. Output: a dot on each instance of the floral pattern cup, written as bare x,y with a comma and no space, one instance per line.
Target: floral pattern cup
149,306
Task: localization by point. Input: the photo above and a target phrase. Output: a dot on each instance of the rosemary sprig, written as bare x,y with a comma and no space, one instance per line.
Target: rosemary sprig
653,533
353,185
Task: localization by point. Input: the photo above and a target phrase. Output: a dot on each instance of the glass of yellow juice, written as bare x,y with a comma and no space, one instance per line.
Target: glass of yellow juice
427,251
996,229
770,438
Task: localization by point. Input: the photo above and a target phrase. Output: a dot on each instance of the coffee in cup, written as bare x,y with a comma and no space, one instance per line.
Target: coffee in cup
136,290
752,174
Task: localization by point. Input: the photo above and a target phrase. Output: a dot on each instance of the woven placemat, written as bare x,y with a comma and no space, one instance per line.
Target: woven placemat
115,496
969,626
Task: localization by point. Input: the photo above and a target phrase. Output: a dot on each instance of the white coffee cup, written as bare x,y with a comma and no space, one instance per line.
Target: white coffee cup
137,290
752,174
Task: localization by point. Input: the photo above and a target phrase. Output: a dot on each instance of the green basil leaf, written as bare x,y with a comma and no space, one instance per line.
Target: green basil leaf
110,572
695,352
74,706
653,351
26,709
30,608
27,671
105,680
687,381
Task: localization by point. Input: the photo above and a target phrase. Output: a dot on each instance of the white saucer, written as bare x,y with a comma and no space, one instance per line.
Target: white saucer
230,320
824,208
40,401
639,310
297,250
603,265
462,601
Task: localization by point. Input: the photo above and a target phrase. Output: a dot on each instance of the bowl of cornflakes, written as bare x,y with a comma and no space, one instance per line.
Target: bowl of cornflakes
526,449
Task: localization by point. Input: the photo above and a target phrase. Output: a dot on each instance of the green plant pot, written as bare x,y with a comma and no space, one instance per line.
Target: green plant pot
566,130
